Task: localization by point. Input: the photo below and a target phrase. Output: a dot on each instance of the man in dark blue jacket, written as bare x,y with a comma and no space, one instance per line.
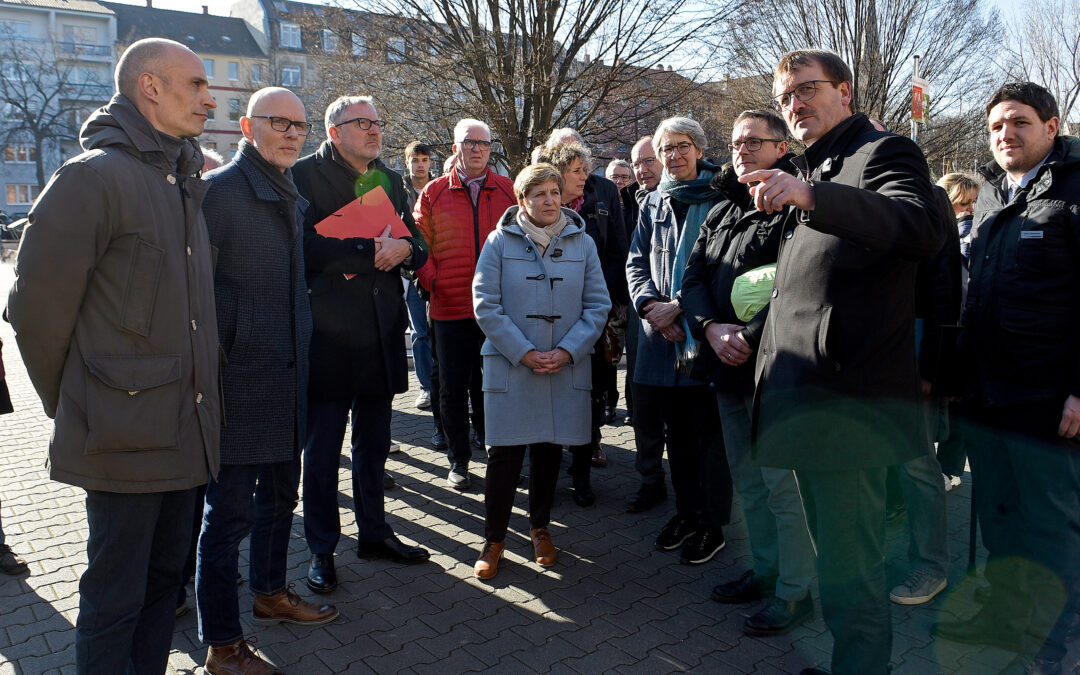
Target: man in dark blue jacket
264,321
358,342
1021,320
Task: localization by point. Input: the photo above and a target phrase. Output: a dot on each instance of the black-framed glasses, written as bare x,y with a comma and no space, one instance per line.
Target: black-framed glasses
646,162
473,144
752,144
682,148
282,124
363,122
804,92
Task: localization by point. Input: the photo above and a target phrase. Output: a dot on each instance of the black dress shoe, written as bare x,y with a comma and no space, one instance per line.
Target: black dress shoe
392,549
321,576
477,440
814,671
985,628
675,533
747,588
388,482
583,494
438,440
609,415
646,498
779,616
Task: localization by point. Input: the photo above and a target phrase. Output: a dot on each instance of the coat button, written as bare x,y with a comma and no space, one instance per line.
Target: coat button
788,234
198,398
189,250
193,326
775,292
171,178
375,292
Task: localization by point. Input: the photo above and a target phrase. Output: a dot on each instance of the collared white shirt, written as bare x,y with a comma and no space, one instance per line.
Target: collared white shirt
1025,179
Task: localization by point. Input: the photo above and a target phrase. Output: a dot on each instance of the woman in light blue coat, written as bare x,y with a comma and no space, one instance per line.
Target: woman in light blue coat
540,298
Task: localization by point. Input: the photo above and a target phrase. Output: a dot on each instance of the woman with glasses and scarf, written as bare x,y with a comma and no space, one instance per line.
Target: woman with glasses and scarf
667,395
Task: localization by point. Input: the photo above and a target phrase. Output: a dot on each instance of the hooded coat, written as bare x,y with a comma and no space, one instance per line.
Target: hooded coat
113,310
524,301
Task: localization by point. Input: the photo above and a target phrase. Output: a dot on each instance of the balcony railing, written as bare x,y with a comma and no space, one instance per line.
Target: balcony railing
83,49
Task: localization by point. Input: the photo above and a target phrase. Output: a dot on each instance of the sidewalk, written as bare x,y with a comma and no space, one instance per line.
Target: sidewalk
612,603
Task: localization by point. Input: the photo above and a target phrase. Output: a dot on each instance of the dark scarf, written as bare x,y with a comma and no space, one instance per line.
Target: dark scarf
281,181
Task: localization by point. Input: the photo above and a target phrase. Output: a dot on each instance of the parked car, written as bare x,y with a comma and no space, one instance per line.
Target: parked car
13,231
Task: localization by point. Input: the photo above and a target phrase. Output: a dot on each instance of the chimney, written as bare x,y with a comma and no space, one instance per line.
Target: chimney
669,69
205,8
660,67
150,4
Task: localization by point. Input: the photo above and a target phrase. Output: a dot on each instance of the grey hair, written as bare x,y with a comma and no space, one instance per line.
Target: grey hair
610,170
150,55
461,129
680,125
562,156
563,135
335,112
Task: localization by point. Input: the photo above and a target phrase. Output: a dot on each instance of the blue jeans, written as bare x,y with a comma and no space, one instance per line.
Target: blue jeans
421,346
322,455
127,595
255,499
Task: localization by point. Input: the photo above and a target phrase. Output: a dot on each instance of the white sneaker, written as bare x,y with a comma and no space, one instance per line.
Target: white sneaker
423,399
919,588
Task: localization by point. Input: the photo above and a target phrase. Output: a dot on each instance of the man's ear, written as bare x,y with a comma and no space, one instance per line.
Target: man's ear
149,86
245,128
845,94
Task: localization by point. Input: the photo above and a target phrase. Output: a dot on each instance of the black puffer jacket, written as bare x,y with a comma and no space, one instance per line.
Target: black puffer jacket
735,238
1022,312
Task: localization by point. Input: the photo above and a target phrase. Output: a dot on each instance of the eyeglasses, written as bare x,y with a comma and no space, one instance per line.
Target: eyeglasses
804,92
282,124
619,178
473,144
363,122
682,148
646,162
752,144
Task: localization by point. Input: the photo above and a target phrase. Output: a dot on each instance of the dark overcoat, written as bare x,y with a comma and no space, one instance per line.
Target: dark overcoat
601,209
836,375
263,316
358,343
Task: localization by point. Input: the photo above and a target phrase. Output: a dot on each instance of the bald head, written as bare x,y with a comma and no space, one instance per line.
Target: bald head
270,97
153,56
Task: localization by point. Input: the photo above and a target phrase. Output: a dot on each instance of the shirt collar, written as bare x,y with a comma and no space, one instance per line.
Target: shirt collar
1025,179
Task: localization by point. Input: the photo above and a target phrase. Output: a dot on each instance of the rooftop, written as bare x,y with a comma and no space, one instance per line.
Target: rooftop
202,33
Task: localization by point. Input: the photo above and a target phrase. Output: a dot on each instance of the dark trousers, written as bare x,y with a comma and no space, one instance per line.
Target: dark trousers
1027,496
476,386
952,450
633,326
255,499
458,345
322,456
500,485
127,595
687,421
846,514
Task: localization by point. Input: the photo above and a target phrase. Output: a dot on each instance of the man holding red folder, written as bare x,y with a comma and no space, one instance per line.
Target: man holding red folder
358,340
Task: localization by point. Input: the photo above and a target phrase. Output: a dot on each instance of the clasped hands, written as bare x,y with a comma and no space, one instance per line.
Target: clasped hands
726,339
389,252
546,363
662,316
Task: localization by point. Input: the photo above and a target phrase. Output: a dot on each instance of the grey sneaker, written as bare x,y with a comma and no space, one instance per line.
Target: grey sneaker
919,588
458,479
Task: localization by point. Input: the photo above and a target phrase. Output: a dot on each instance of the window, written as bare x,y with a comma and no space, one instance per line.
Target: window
211,115
256,73
329,41
15,29
209,65
81,35
395,50
12,71
234,146
20,154
210,146
290,76
234,110
290,35
234,71
359,45
22,194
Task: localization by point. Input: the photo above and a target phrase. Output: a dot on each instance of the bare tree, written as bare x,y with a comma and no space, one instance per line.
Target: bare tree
878,39
524,66
44,90
1044,47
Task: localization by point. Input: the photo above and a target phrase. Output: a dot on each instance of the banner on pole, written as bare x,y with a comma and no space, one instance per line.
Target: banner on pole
920,99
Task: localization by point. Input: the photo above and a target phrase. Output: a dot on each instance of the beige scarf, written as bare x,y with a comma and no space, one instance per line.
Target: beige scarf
541,236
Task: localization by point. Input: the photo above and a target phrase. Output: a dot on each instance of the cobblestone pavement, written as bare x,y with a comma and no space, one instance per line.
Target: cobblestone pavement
612,603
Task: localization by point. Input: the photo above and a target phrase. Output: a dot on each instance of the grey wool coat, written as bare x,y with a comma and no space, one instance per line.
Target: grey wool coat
263,313
525,301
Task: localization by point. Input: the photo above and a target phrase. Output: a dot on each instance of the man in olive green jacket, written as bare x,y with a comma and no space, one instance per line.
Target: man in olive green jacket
113,310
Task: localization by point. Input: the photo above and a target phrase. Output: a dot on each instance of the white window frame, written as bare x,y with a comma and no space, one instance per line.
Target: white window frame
234,71
359,45
287,81
290,36
395,50
256,72
24,193
21,153
234,110
208,66
329,41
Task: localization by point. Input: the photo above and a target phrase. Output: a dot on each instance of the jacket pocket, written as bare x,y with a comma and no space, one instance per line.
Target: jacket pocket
141,289
496,373
824,353
582,374
133,403
245,319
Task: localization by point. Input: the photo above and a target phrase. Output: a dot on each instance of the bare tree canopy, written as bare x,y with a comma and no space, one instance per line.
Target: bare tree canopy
878,39
1044,47
524,66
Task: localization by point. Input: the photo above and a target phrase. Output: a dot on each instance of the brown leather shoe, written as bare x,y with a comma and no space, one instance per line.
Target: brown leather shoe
288,607
237,659
543,549
488,563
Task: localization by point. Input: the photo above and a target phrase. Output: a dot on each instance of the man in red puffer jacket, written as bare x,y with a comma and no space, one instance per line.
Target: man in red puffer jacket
455,213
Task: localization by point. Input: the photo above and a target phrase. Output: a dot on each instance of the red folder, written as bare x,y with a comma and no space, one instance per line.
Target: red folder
366,216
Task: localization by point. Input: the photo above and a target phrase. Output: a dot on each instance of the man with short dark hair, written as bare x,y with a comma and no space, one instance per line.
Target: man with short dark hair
1021,319
253,214
418,162
837,388
113,310
358,358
